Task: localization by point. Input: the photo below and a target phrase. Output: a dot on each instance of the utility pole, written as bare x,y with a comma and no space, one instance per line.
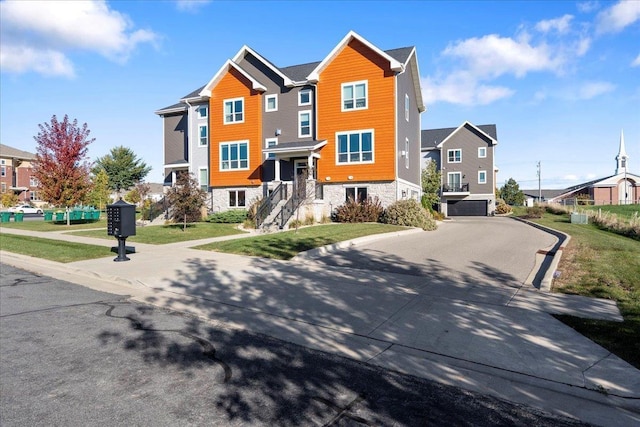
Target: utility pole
539,183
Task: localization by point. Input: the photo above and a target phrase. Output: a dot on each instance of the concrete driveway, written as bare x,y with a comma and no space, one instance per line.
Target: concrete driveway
496,251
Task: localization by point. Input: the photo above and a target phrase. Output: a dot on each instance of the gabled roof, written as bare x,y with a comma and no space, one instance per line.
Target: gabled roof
194,95
299,73
402,54
433,138
546,194
394,64
255,84
246,49
174,108
14,153
416,74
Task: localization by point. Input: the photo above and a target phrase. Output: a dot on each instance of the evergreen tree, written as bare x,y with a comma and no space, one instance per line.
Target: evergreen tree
60,167
123,168
512,195
430,185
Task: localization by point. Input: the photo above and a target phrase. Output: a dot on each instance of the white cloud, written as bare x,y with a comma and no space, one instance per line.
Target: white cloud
570,177
561,25
636,62
190,5
592,89
461,88
493,56
53,29
588,6
618,17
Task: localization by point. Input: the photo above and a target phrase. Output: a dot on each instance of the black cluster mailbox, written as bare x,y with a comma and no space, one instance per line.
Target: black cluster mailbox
121,223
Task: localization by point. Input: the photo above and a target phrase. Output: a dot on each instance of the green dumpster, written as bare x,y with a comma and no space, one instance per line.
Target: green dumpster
87,215
48,215
18,216
60,216
5,216
96,215
75,215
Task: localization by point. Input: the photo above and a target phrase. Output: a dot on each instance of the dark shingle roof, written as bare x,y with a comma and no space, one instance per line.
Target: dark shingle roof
195,93
6,151
430,138
401,54
299,73
174,108
546,194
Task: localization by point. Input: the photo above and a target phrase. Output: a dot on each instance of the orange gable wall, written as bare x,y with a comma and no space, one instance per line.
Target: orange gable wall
235,85
357,62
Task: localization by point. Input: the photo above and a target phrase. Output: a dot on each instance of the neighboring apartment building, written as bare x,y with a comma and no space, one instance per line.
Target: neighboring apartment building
466,159
15,173
347,126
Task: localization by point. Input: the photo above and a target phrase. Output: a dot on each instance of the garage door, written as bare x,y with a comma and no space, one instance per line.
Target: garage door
467,208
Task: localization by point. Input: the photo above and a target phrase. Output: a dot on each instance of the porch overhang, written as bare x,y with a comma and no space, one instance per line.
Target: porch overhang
289,150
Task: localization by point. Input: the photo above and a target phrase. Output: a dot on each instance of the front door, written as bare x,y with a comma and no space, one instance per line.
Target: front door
301,173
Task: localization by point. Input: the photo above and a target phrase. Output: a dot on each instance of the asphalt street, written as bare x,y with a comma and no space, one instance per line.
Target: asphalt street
74,356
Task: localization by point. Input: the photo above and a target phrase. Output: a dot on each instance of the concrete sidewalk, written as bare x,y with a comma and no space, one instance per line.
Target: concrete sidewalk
479,336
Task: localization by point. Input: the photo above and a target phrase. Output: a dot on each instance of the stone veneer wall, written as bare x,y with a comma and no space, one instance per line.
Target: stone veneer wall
220,198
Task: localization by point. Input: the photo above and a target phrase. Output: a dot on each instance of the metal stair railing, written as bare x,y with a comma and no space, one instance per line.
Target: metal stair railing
268,204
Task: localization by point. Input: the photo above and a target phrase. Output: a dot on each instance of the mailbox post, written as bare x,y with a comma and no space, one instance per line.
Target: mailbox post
121,223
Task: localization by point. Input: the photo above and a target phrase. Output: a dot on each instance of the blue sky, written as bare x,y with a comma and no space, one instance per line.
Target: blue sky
560,79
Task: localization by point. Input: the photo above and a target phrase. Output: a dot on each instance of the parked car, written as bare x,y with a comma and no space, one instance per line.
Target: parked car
28,209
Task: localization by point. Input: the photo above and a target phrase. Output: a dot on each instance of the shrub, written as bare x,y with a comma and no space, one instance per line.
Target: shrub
369,210
229,217
503,209
409,213
295,223
535,211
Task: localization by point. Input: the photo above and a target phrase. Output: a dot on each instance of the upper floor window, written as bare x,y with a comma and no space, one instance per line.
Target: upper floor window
406,107
234,155
34,196
203,131
354,147
304,124
33,182
482,177
270,143
482,152
3,171
354,96
203,112
454,156
234,110
304,97
271,103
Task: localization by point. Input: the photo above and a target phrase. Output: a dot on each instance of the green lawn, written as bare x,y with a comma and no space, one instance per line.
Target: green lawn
54,250
42,225
622,211
162,234
288,244
602,264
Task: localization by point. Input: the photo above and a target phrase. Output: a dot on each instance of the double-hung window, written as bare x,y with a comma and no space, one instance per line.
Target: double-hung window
354,147
304,97
271,103
304,123
482,177
270,143
234,110
482,152
203,178
406,107
203,131
354,96
234,155
203,112
454,156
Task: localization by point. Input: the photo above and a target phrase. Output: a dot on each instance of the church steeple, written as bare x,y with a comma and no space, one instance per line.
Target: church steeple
621,158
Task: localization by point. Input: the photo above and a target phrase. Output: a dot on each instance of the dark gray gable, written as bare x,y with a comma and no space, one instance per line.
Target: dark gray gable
195,93
299,73
400,54
430,138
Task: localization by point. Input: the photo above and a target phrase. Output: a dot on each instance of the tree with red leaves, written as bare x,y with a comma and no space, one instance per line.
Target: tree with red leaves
61,167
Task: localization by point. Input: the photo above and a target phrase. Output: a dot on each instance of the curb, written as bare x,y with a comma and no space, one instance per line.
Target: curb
544,277
323,250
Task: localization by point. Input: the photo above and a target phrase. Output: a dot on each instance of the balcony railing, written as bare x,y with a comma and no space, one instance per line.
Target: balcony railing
459,188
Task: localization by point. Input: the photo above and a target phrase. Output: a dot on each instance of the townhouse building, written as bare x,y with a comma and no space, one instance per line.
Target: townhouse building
347,126
16,173
465,157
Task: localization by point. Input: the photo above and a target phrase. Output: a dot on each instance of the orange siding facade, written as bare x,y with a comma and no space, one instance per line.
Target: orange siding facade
357,62
235,85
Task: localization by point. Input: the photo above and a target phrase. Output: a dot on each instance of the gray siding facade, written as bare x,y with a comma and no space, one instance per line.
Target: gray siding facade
176,148
407,129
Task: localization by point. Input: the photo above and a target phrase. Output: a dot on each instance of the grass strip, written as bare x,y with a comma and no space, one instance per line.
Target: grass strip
598,263
42,225
163,234
54,250
288,244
